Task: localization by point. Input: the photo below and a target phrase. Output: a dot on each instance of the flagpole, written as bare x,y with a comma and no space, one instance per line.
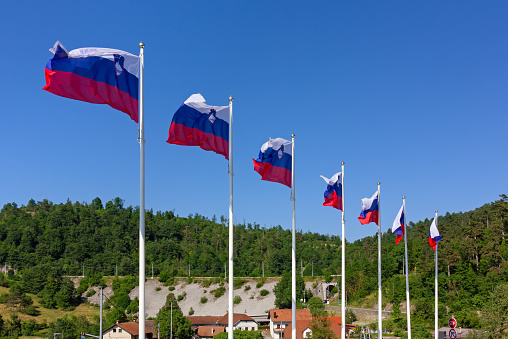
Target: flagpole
343,277
436,334
141,140
293,252
408,304
231,307
380,296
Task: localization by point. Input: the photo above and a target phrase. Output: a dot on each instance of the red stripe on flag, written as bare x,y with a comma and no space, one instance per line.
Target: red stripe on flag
273,173
73,86
188,136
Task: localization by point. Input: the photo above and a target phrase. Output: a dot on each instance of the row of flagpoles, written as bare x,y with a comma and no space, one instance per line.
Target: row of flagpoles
114,77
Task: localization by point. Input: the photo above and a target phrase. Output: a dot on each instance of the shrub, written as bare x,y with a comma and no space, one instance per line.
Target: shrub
158,288
334,290
247,288
207,283
191,311
219,292
171,288
3,298
133,306
264,292
170,281
31,310
180,297
259,285
90,293
164,276
189,280
237,299
29,328
237,283
204,300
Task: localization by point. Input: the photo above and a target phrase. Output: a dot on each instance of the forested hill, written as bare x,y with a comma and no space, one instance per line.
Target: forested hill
473,255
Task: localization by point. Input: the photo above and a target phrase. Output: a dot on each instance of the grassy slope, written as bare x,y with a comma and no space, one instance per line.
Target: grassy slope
47,315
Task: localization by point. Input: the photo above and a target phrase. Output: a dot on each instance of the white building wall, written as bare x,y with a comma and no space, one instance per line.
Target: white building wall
116,333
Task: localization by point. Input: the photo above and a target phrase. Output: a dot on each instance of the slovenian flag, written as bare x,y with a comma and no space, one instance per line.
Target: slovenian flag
399,225
275,161
95,75
434,235
333,193
370,210
197,124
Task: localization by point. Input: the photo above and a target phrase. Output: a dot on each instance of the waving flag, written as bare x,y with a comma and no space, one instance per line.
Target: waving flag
197,124
399,225
434,235
274,161
333,193
370,210
95,75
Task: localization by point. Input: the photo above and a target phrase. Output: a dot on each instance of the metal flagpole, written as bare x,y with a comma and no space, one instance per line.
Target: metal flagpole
408,304
436,334
100,320
230,302
380,296
343,288
293,278
141,140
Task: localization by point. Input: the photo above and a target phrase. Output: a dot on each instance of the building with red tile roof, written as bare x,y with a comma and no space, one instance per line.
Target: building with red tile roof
209,326
240,322
303,329
207,320
129,330
209,331
280,318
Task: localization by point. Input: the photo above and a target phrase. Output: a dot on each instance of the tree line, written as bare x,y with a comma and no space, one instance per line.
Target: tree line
72,238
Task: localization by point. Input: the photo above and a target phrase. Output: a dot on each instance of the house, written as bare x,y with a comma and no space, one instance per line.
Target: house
338,320
209,332
129,330
203,321
303,329
240,322
209,326
280,318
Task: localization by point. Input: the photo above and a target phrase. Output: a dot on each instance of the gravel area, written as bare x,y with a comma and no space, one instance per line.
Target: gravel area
252,302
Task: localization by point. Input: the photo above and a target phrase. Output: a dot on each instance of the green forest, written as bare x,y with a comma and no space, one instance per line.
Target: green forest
93,239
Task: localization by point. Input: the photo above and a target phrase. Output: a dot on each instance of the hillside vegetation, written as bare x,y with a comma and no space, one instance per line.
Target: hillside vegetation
72,238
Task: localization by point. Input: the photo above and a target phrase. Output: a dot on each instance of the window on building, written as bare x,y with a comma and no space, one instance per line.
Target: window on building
114,330
120,330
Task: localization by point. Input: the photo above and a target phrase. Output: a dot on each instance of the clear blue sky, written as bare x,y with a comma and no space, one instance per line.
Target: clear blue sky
411,94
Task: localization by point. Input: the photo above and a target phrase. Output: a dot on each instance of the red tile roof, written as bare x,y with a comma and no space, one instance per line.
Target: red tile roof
209,331
224,320
203,320
285,315
302,325
133,327
338,320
